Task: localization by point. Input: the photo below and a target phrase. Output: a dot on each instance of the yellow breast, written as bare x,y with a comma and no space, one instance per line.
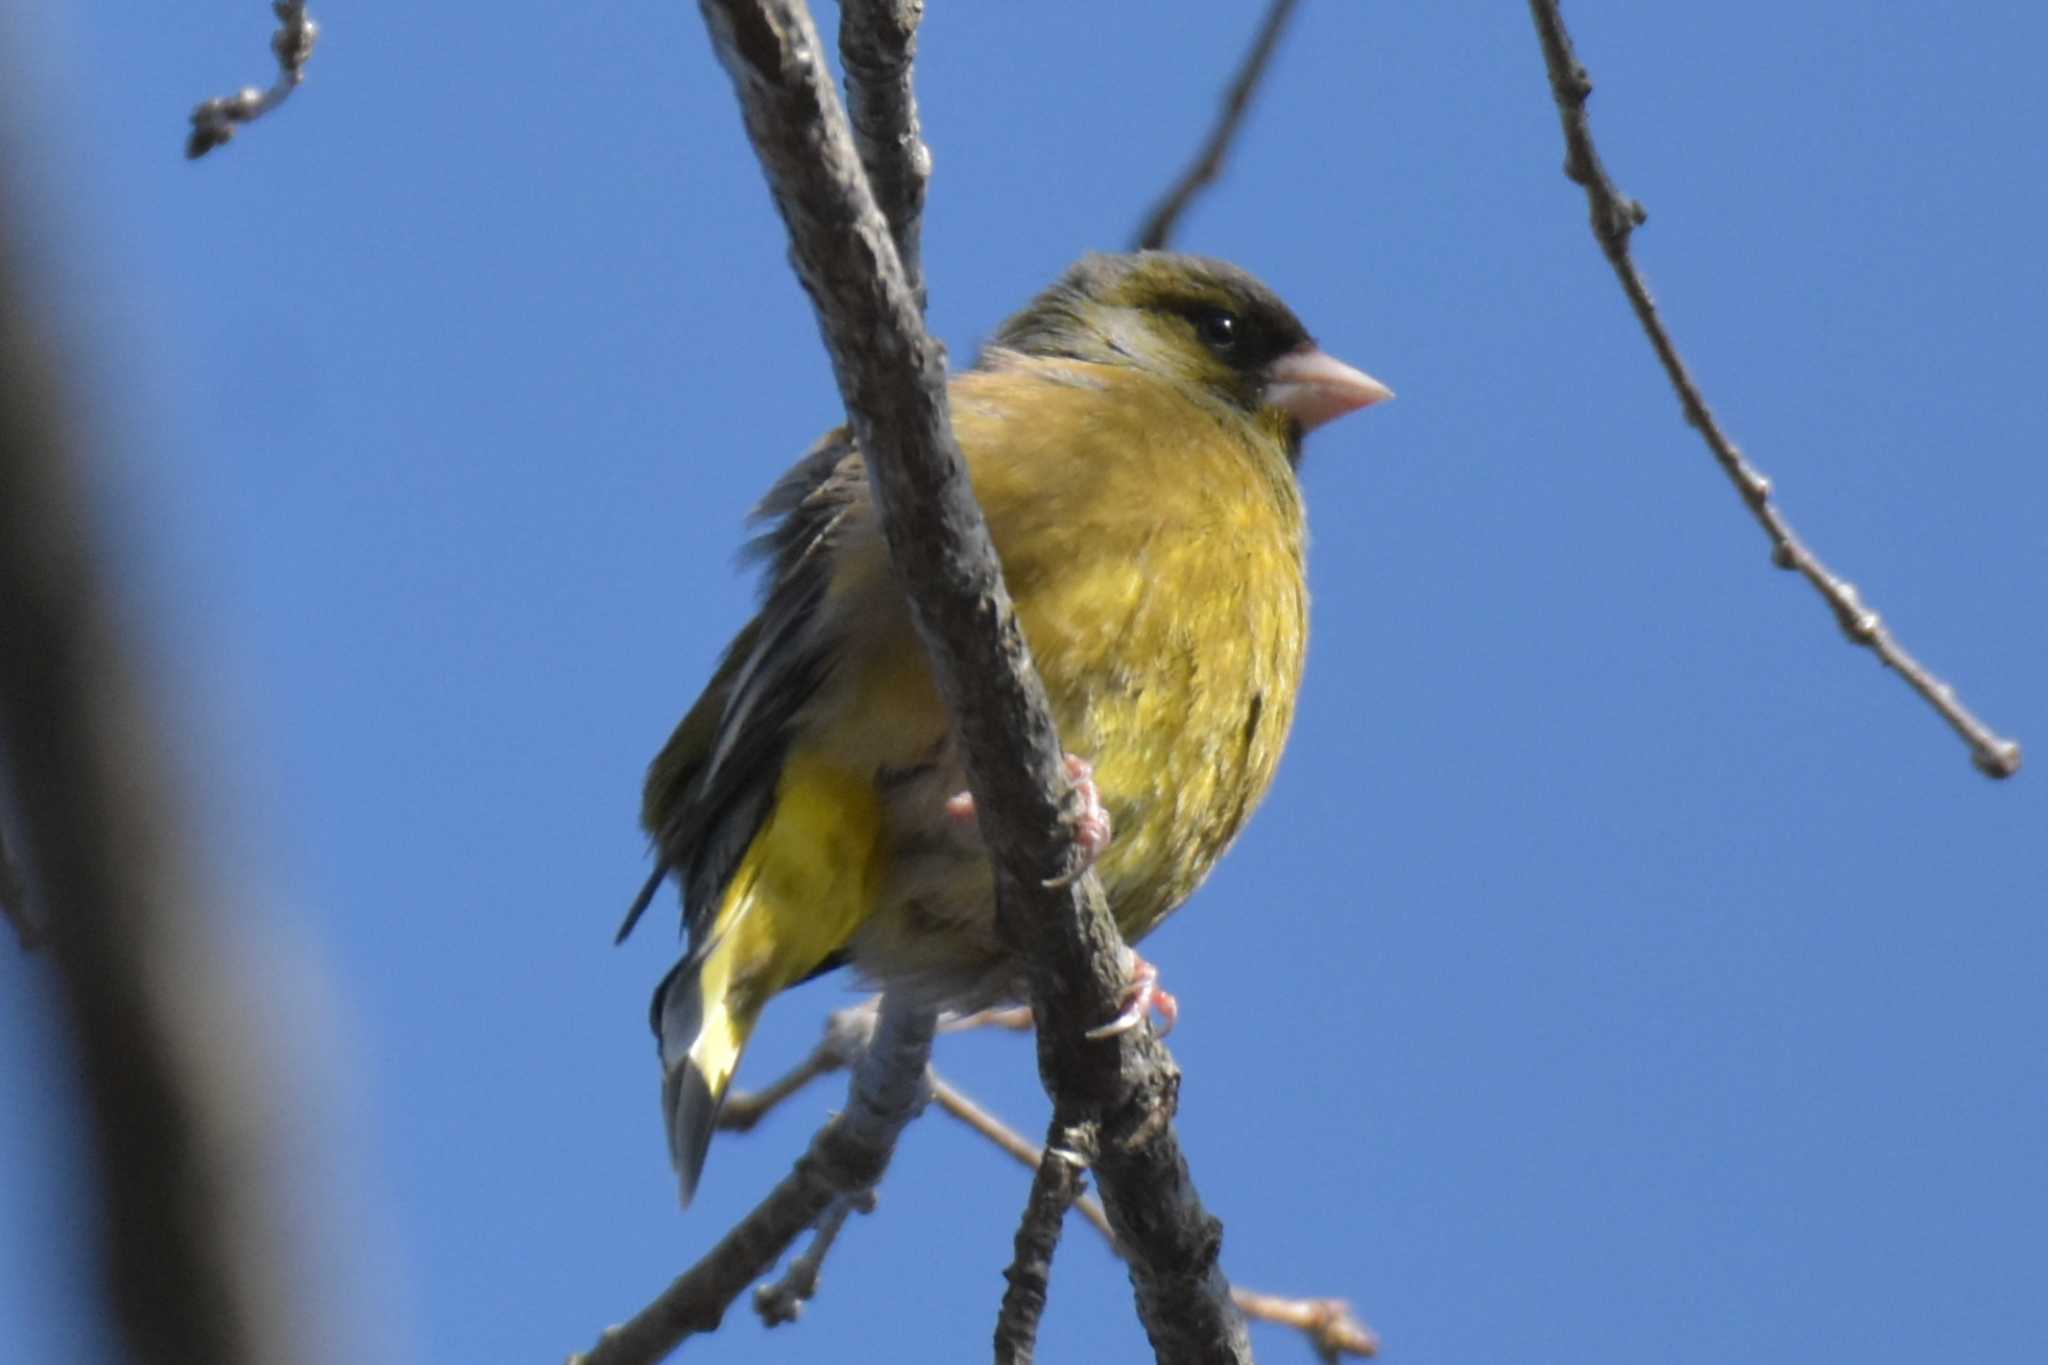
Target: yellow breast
1154,551
1157,565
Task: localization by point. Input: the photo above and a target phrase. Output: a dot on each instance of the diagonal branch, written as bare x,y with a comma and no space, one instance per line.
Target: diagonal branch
176,1101
1059,1174
892,378
845,1160
1615,216
877,44
1327,1323
783,1301
214,122
1158,227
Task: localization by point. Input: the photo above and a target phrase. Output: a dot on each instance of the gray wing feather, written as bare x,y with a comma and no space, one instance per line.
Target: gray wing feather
788,656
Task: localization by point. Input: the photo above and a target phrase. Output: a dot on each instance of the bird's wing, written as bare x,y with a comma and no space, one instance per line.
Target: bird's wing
710,787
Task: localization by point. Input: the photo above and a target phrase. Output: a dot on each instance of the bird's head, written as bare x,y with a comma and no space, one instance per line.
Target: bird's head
1203,323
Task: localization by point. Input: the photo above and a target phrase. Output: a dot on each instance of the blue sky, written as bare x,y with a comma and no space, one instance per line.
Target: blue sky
1623,968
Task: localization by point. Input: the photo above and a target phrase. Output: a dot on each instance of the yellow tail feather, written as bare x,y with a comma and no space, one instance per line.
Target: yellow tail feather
806,883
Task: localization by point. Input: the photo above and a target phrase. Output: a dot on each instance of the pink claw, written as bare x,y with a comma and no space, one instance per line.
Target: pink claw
1142,997
1092,831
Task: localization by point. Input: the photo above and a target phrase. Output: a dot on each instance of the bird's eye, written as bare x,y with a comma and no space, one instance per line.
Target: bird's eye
1219,330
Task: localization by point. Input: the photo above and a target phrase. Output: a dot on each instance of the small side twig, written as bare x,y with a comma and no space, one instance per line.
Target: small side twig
847,1033
1012,1018
783,1301
845,1160
1327,1323
1615,217
878,44
1160,223
1062,1170
215,121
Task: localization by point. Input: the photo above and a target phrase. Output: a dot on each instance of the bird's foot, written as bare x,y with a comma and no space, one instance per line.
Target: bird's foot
1092,831
1142,997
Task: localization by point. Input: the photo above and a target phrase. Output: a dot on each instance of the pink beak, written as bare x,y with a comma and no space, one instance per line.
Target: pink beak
1315,387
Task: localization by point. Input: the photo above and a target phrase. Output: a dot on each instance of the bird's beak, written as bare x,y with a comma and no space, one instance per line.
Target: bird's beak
1314,387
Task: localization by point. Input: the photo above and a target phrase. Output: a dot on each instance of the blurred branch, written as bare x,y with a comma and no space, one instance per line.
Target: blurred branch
14,901
1014,1018
1158,227
892,379
1614,217
845,1161
176,1103
783,1301
215,121
846,1038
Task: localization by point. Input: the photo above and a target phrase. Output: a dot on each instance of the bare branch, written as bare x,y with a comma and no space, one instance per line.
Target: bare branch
215,121
846,1037
1615,216
847,1033
177,1102
783,1301
845,1161
1159,224
877,44
1015,1018
1327,1323
1061,1170
892,379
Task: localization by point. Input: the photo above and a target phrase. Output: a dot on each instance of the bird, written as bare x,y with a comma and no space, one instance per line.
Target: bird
1133,437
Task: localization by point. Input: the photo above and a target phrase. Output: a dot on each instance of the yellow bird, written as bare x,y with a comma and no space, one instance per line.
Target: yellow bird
1132,438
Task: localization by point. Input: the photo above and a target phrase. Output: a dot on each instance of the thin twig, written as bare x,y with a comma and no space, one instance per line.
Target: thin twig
1013,1018
14,901
1159,224
215,121
845,1160
1056,1182
847,1033
1327,1323
1614,217
178,1108
877,45
892,379
846,1037
783,1302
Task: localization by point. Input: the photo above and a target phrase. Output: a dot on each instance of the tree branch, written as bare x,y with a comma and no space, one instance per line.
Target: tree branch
176,1101
1056,1182
1158,227
1327,1323
877,44
847,1035
846,1160
892,379
215,121
783,1302
1614,217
